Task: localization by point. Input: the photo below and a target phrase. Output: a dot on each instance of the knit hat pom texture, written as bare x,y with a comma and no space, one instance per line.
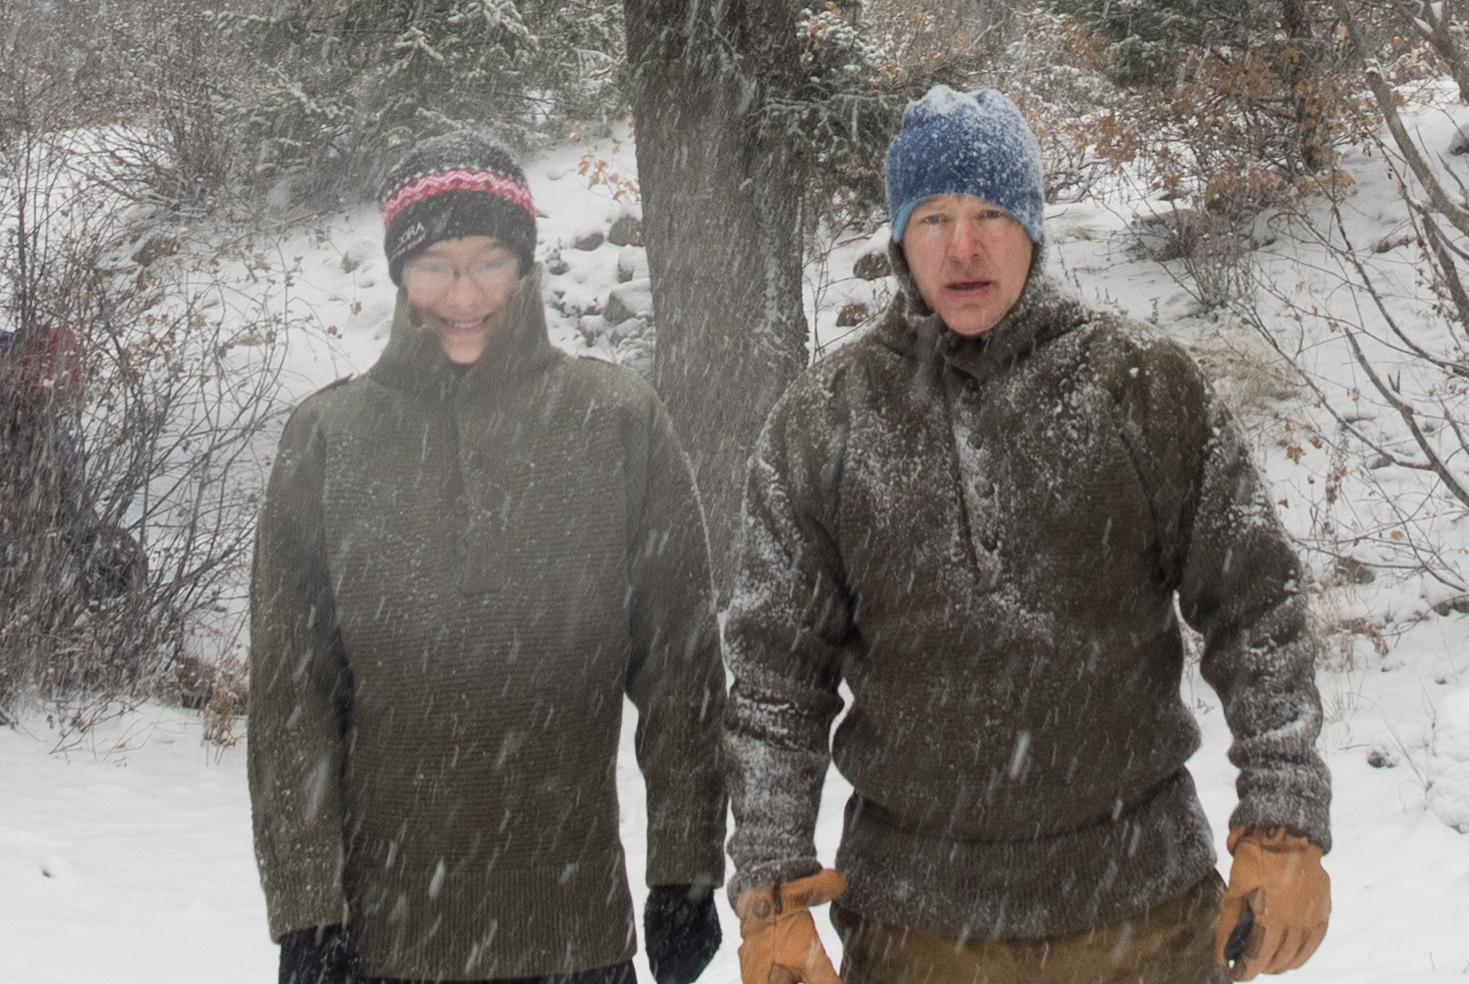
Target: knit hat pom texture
451,186
966,143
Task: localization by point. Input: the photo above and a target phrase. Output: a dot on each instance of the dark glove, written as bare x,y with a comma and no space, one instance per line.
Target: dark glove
682,931
320,955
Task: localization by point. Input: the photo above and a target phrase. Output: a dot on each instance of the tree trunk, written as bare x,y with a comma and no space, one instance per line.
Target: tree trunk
721,203
1303,79
1438,17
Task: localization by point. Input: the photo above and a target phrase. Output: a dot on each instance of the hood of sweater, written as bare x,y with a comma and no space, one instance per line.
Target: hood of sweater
913,329
415,362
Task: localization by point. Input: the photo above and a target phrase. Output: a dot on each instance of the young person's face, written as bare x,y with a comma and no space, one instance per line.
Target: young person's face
969,258
459,290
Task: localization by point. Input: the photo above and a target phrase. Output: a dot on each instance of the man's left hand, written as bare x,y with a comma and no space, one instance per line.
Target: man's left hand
682,931
1278,877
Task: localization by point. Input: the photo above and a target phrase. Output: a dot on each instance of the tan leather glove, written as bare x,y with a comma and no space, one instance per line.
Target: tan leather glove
780,942
1278,877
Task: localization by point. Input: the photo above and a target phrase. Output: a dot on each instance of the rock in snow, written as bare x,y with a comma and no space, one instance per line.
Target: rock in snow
873,265
632,264
627,230
631,300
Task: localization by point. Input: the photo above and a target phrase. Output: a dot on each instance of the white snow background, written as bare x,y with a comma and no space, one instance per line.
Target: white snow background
125,856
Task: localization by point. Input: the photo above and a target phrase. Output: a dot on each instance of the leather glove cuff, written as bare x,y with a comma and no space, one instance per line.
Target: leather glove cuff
1273,839
779,898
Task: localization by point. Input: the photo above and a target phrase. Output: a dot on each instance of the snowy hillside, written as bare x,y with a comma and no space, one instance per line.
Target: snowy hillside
125,854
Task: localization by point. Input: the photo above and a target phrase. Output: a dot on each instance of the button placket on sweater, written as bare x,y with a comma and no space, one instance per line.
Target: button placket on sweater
456,504
495,463
976,478
460,471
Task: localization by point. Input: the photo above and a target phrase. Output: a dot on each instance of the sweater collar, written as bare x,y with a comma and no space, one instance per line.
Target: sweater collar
913,329
413,360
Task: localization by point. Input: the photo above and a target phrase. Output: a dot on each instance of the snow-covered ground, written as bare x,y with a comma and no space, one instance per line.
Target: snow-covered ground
125,855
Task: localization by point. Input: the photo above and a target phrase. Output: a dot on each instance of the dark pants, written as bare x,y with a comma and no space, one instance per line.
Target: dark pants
1170,943
622,973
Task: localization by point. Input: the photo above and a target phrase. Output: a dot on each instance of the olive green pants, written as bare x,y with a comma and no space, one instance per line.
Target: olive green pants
1171,943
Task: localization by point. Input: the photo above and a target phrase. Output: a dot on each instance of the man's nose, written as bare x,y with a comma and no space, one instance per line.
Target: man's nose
966,240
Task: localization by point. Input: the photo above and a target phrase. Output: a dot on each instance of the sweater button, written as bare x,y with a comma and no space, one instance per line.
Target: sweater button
974,440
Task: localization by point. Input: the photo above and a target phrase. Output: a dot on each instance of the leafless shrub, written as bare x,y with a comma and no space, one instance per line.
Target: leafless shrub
153,74
925,40
135,394
181,151
1221,267
1050,70
1382,346
229,694
1217,255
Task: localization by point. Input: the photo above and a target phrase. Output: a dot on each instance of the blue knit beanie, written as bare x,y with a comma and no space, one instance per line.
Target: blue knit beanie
966,143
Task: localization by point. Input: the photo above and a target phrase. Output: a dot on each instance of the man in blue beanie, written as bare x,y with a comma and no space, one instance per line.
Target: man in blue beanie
985,518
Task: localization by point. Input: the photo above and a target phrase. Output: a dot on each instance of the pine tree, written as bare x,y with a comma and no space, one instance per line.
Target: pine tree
349,84
1146,36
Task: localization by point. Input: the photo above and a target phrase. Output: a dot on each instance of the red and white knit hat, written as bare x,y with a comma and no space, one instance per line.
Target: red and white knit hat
458,184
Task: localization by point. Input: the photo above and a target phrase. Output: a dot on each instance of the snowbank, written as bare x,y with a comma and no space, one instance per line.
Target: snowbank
1448,763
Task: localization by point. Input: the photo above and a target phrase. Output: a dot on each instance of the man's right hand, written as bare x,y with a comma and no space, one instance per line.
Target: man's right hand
318,955
780,942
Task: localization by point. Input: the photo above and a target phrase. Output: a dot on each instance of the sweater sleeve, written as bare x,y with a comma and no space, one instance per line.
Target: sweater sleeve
789,625
299,690
1239,583
676,675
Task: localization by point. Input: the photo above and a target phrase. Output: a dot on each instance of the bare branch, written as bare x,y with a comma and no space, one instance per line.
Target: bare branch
1367,284
1433,17
1456,487
1383,93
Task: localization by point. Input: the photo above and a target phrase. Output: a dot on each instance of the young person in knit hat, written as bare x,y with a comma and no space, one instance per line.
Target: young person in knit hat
465,559
982,518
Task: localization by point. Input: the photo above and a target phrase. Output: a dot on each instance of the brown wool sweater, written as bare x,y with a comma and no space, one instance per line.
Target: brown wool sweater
985,539
457,577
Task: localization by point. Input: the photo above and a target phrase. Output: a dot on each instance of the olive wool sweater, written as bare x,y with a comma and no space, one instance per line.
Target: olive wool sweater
457,576
984,538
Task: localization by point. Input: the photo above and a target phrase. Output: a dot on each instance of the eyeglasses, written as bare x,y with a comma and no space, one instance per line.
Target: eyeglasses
436,276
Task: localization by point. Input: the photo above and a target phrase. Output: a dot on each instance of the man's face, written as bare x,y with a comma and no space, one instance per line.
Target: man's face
459,290
969,259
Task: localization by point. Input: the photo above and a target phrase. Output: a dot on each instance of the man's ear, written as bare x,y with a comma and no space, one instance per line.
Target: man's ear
898,260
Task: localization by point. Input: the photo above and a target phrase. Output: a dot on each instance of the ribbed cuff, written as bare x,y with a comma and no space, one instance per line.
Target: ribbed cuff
303,895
